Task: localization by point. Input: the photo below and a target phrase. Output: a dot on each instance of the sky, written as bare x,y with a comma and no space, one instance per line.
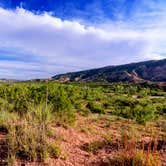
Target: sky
42,38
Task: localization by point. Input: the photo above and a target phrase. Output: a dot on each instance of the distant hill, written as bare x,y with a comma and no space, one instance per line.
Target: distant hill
8,80
154,71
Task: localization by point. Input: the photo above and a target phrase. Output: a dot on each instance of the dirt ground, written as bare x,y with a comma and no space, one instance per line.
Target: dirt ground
74,139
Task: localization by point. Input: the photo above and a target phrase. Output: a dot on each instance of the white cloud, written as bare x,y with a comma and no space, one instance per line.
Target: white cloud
56,46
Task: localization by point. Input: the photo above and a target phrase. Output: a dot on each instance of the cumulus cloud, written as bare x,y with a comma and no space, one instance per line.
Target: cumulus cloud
45,45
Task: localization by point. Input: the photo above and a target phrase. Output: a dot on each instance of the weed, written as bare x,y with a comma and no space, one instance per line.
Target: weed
54,150
27,138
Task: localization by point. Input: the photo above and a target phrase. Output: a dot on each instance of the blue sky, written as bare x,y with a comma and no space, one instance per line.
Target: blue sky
41,38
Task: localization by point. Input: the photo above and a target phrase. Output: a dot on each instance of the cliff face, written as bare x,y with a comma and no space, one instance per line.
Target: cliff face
135,72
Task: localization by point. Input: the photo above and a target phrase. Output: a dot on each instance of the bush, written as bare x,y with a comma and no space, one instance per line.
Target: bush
140,111
95,108
143,114
61,102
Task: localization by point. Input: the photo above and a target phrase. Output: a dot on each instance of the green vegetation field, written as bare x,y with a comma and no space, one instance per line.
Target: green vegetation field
32,113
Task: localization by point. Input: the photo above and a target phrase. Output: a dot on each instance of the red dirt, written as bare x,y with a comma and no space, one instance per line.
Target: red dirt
73,138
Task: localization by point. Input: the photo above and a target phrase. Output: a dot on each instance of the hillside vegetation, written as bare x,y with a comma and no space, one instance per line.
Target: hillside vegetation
56,124
135,72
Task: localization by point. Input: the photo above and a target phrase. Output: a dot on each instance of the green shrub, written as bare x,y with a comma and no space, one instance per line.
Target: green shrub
61,102
143,114
124,112
140,111
95,108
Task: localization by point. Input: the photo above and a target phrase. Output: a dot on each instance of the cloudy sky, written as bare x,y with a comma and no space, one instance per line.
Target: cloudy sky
41,38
